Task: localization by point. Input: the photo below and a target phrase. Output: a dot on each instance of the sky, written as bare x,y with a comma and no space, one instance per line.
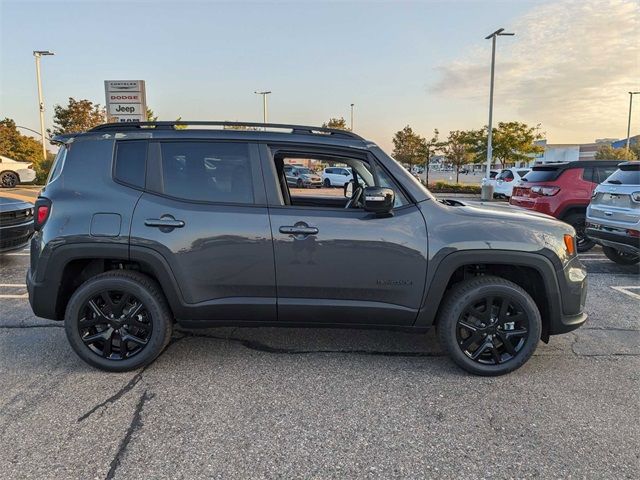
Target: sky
424,63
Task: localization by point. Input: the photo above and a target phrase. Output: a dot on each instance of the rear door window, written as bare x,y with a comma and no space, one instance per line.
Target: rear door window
131,161
207,171
587,175
604,172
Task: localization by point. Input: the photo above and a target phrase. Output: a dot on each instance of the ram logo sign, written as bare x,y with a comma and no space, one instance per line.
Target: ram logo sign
126,100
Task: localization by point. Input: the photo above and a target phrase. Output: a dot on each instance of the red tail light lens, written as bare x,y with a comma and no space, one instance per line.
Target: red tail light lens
546,191
508,179
633,233
42,211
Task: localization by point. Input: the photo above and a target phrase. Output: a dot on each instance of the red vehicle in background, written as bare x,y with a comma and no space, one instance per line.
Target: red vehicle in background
563,190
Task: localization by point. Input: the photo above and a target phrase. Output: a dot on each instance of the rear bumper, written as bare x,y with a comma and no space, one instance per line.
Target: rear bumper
614,239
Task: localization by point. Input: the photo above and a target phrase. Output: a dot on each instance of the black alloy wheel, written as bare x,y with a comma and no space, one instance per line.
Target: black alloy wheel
327,183
9,180
492,330
489,325
115,325
299,183
118,320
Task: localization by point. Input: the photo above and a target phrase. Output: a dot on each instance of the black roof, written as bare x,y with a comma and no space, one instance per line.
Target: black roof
576,164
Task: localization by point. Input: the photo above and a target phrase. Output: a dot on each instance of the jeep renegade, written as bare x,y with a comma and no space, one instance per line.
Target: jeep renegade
143,225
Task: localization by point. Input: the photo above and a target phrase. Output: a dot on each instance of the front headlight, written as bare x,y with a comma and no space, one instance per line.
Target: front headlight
635,196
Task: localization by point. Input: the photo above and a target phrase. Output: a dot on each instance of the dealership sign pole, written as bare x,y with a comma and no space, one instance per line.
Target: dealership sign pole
126,100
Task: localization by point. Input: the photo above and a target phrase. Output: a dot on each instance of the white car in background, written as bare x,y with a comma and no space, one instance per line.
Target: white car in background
336,176
492,180
507,179
13,172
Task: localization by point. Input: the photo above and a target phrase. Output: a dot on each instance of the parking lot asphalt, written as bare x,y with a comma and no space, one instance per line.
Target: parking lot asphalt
264,403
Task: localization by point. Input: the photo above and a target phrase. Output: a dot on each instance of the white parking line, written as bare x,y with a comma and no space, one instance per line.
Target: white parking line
594,259
17,254
626,291
14,285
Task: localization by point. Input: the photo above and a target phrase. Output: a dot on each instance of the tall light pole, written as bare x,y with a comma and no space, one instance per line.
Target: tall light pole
264,105
37,54
352,116
487,189
631,94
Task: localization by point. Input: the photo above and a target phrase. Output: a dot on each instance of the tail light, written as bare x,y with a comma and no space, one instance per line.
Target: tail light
30,166
633,233
508,179
42,212
545,191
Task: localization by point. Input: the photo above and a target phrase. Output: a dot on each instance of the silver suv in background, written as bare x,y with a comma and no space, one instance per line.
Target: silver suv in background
613,216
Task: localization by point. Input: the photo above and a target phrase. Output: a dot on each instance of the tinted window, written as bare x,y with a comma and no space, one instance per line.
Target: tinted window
131,158
58,163
207,171
625,177
604,172
505,175
543,175
587,175
522,173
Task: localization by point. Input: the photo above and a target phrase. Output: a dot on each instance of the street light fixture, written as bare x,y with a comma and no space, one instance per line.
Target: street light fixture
37,54
352,116
487,189
264,105
631,94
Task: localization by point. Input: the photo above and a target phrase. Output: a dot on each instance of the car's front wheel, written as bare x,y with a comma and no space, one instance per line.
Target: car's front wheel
623,258
327,183
9,179
118,321
489,325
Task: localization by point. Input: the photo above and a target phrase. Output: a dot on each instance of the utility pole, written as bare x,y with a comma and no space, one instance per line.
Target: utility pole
352,117
37,54
631,94
487,189
264,105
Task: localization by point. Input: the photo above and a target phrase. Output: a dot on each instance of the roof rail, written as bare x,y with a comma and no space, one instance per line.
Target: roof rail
296,129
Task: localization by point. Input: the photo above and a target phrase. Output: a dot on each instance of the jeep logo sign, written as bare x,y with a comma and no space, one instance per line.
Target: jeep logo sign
126,100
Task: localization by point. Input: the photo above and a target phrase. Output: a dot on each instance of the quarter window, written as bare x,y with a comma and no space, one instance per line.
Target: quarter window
131,160
207,171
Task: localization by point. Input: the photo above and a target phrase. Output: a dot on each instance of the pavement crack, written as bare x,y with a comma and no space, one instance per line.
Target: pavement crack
136,423
262,347
116,396
613,329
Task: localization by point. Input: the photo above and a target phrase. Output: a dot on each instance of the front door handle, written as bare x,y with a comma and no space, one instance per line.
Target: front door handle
166,221
298,230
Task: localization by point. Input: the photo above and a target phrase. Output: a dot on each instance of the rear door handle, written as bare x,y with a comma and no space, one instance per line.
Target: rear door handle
164,221
298,230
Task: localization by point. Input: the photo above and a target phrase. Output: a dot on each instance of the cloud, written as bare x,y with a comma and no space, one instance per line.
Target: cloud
570,65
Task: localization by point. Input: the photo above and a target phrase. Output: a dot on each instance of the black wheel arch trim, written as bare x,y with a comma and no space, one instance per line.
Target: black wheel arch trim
545,262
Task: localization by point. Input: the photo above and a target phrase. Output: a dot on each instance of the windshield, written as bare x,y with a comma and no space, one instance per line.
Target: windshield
306,171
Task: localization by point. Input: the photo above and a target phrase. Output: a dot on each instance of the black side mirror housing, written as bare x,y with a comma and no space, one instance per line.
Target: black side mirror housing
378,200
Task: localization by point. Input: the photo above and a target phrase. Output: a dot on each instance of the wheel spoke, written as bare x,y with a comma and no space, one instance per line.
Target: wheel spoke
108,345
495,354
127,337
508,346
480,349
467,325
92,305
123,346
120,306
91,322
503,309
134,311
95,337
516,317
108,301
474,312
515,333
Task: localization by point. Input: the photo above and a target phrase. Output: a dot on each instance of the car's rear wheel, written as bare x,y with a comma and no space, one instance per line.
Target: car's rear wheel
623,258
299,183
9,179
118,321
489,325
327,183
578,221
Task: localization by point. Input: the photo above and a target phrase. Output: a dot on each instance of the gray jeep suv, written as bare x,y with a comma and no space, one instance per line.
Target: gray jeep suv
613,216
144,225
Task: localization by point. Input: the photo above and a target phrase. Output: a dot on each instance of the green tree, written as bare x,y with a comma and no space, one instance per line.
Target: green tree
77,116
458,150
607,152
635,148
431,147
23,148
339,123
512,142
408,146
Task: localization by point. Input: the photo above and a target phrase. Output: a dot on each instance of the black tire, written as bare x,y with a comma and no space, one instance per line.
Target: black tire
299,183
8,179
577,221
154,316
619,257
327,183
510,348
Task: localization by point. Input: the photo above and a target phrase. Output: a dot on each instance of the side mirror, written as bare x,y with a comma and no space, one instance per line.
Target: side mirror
348,189
378,200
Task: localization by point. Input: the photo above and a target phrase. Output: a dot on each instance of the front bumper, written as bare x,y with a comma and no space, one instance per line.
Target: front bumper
15,237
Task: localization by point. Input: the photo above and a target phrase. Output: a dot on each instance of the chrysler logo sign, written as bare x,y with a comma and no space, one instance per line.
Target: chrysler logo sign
126,100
